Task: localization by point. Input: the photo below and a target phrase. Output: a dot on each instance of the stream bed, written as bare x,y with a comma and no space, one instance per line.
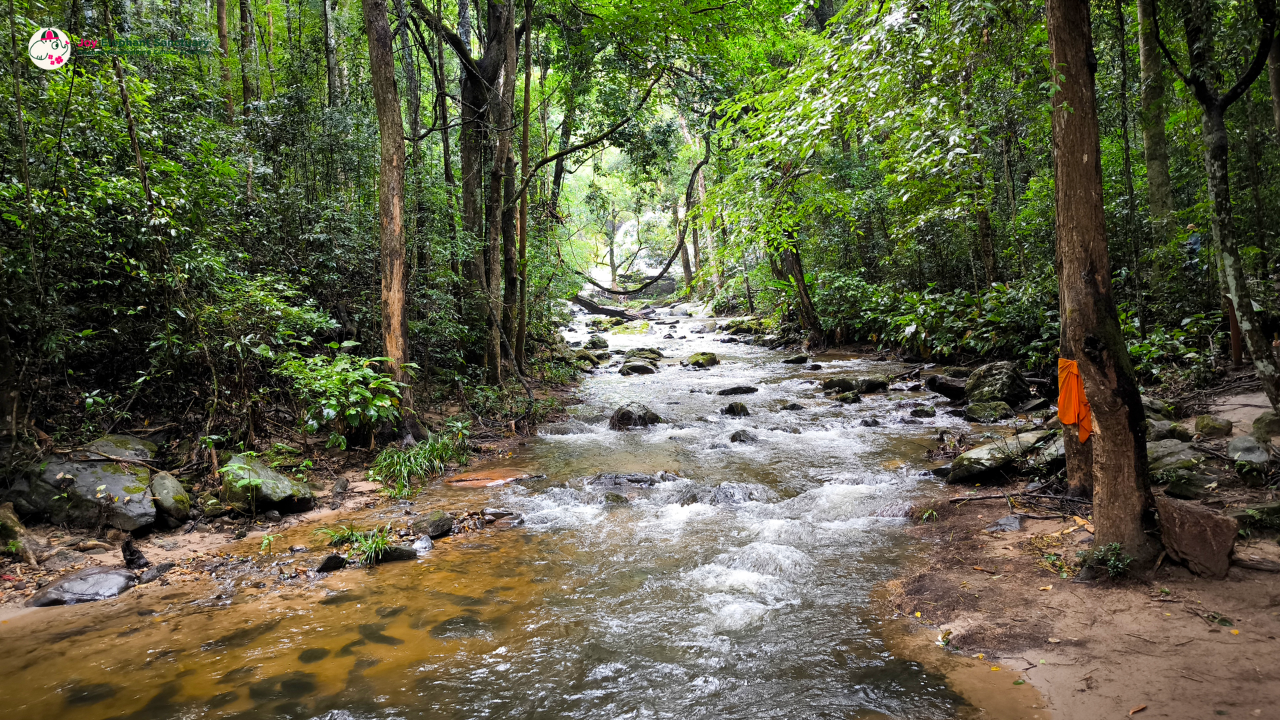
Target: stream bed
738,586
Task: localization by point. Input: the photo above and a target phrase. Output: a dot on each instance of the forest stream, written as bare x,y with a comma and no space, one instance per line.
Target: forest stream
738,585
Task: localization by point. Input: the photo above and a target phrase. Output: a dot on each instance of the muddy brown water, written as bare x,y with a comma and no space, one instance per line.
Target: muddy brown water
757,604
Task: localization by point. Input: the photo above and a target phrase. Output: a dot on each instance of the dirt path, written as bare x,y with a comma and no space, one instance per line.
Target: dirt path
1098,650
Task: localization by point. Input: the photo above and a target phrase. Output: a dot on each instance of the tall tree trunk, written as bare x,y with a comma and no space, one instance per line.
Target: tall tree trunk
1135,245
794,269
328,7
566,139
684,250
248,56
224,47
1155,143
1273,76
501,117
522,323
412,85
1091,333
1012,191
986,247
510,249
386,100
128,112
1198,26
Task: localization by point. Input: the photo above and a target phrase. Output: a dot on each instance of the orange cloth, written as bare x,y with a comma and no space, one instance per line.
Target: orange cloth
1073,406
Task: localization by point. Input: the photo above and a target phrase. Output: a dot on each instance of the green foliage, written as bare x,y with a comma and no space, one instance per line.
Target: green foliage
397,468
1110,557
344,392
267,542
13,547
369,547
342,535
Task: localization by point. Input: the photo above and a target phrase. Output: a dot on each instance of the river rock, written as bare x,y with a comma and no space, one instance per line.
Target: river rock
155,573
596,342
423,545
587,357
1266,426
988,412
792,406
871,385
743,436
986,463
949,388
1051,456
331,563
133,557
868,422
275,491
736,493
796,360
736,409
738,390
840,385
398,553
998,381
1171,455
1197,535
435,524
633,415
88,585
626,480
1167,429
1251,459
849,398
1186,485
813,366
653,355
1213,426
923,412
636,368
703,360
170,497
84,490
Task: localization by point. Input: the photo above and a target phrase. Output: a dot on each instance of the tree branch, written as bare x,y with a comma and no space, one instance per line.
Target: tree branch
1266,11
454,41
586,143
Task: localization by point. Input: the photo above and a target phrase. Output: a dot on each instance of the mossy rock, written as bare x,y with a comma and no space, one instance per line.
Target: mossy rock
585,356
840,384
170,497
651,354
1213,426
271,491
603,324
636,327
924,412
849,398
597,342
988,412
703,360
613,498
1266,426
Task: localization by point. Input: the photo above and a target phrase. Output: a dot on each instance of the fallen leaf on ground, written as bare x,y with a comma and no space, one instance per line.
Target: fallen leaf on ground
1138,709
1054,640
993,667
1047,587
1235,632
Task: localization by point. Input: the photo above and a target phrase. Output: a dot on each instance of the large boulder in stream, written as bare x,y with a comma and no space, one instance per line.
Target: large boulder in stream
703,360
738,390
997,381
89,585
633,415
85,489
988,412
950,388
987,463
597,342
435,524
247,483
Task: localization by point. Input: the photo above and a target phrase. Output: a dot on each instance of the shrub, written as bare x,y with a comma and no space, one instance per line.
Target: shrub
343,393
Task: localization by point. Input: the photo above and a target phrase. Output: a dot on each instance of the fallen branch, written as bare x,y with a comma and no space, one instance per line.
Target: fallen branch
1005,496
598,309
1259,564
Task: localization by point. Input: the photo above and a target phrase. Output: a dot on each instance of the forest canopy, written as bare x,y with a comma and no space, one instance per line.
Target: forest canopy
200,216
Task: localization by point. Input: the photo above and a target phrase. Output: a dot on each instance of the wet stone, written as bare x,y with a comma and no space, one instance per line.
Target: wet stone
743,436
868,422
222,699
435,524
89,585
82,695
155,573
796,360
923,412
312,655
738,390
735,409
633,415
792,406
290,686
840,384
331,563
461,626
372,632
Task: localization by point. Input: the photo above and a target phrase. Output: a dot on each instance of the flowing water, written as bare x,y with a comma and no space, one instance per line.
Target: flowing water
739,589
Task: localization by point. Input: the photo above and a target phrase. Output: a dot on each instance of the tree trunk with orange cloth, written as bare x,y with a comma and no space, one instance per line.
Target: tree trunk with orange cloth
1117,463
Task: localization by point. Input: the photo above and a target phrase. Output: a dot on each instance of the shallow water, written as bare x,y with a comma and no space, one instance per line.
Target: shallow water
754,605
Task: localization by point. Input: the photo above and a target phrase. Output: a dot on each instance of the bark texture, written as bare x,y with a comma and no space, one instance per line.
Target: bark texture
248,56
386,100
1090,326
224,58
1155,143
